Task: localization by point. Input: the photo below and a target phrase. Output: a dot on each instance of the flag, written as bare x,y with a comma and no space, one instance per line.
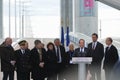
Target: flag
62,36
67,37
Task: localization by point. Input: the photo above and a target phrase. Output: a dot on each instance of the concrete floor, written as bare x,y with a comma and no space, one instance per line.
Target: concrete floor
102,75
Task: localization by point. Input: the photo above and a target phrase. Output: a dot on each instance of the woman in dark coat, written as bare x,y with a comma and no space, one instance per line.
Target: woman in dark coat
51,62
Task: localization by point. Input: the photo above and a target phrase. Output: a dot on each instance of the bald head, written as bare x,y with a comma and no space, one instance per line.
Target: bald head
8,41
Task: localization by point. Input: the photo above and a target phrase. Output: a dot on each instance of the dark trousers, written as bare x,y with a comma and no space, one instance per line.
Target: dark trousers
39,74
9,74
23,75
95,72
53,76
60,71
38,79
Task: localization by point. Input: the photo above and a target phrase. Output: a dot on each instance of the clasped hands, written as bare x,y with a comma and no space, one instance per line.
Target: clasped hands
41,64
13,62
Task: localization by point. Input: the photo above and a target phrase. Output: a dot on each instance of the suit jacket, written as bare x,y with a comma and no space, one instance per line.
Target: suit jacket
23,62
51,57
70,54
111,57
37,71
7,55
63,55
96,54
77,53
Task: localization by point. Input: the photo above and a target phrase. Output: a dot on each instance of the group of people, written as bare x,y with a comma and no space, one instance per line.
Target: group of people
54,62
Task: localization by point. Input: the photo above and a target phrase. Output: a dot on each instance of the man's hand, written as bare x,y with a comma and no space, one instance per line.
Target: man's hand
41,64
89,76
13,62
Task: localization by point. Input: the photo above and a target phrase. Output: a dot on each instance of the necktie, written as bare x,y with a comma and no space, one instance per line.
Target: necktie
93,47
23,51
40,54
58,55
107,48
81,50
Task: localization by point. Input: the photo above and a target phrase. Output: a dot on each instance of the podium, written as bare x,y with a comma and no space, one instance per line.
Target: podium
81,61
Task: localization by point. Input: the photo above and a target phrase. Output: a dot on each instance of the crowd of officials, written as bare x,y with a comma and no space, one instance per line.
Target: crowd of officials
53,63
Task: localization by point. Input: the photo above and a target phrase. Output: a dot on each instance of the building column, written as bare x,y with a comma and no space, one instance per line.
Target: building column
86,16
67,14
70,15
1,18
63,14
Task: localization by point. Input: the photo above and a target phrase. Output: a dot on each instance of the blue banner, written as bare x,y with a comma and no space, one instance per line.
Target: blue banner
67,37
62,36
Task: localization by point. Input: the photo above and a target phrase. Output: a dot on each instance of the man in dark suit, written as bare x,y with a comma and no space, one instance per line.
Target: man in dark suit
62,59
38,59
111,57
82,51
7,59
23,64
96,51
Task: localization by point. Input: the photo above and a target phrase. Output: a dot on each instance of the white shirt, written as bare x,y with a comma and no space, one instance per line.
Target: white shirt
23,51
82,49
109,46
